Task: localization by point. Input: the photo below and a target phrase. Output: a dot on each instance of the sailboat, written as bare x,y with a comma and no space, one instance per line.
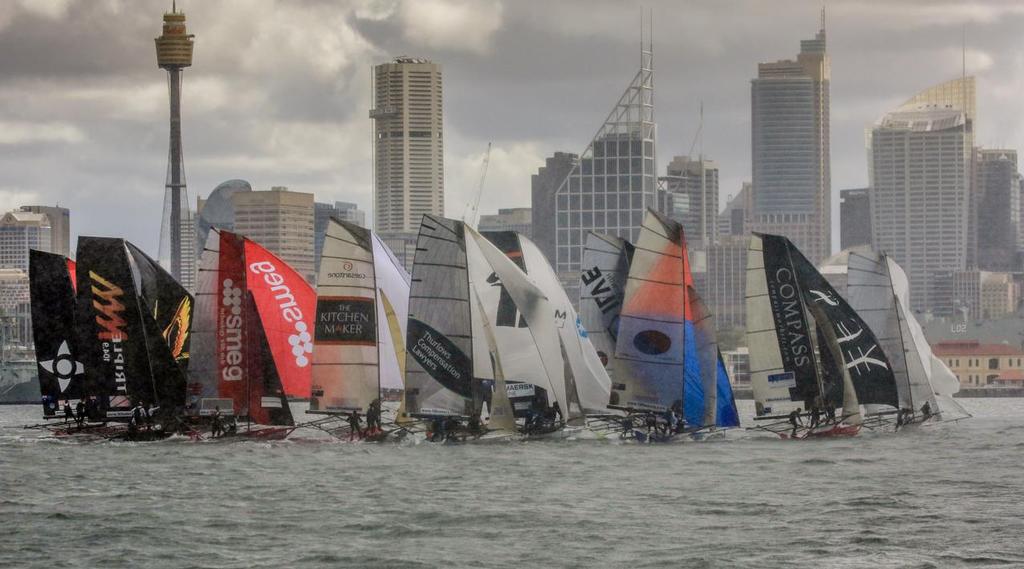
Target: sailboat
810,351
132,323
665,364
361,313
586,383
253,336
879,290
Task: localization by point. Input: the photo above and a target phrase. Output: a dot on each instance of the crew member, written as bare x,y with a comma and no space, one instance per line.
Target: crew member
216,425
926,410
80,409
68,414
355,425
794,419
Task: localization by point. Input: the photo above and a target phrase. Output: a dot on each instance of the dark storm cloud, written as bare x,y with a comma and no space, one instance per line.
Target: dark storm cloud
279,91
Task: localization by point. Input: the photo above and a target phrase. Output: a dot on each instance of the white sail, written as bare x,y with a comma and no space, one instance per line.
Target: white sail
768,378
530,300
592,383
392,314
918,352
501,417
602,286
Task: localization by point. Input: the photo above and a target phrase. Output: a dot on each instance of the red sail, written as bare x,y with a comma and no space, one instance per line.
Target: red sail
234,353
286,304
73,273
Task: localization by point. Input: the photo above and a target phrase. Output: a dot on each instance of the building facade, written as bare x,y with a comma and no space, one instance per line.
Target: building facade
734,220
322,214
60,226
21,231
981,365
614,182
692,192
792,185
854,218
408,148
726,282
920,199
518,219
282,221
997,185
544,187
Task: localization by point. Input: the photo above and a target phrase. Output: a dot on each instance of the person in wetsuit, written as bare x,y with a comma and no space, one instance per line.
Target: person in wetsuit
926,410
68,414
794,419
373,424
355,425
216,425
80,410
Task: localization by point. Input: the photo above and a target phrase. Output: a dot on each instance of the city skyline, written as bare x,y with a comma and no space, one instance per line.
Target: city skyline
287,105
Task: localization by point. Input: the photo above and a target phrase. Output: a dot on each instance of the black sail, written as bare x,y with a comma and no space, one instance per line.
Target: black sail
168,303
61,371
870,370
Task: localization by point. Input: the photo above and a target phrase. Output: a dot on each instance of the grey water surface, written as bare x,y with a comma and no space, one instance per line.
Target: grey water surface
950,495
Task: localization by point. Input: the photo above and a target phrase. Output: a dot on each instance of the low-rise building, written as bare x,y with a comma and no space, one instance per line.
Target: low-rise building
981,365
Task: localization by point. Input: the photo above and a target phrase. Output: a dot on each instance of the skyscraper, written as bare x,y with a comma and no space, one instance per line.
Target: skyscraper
997,185
282,221
408,149
518,219
920,158
543,191
614,182
692,187
21,231
854,218
792,185
174,53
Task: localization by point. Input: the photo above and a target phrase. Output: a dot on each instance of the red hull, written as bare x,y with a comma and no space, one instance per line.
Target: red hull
835,431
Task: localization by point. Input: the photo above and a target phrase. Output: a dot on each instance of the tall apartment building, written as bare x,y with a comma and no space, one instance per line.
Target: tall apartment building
322,213
997,187
726,282
60,227
854,218
692,186
792,188
518,219
614,182
408,149
544,187
282,221
919,159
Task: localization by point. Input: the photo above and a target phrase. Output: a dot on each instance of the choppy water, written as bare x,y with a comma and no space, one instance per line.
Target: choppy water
947,496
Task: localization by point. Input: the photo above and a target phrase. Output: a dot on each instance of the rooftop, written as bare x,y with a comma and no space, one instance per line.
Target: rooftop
974,348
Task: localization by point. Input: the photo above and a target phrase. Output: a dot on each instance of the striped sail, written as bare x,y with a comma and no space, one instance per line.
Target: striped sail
346,363
649,349
439,338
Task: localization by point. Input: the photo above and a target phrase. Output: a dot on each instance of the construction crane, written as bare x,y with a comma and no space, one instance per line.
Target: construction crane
470,216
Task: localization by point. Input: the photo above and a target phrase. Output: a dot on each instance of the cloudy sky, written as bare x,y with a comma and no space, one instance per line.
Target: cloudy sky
279,91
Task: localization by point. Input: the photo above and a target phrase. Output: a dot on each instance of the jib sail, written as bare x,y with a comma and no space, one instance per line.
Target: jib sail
286,305
602,287
52,295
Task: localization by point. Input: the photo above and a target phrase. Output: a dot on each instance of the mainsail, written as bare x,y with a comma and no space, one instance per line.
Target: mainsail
355,354
235,366
439,339
126,358
52,295
649,351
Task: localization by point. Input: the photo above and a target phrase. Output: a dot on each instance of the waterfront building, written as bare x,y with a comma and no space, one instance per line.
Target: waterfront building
692,193
982,365
854,218
544,187
614,182
408,149
281,221
790,151
518,219
174,54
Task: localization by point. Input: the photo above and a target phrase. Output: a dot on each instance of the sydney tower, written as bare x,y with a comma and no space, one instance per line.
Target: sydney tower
177,243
